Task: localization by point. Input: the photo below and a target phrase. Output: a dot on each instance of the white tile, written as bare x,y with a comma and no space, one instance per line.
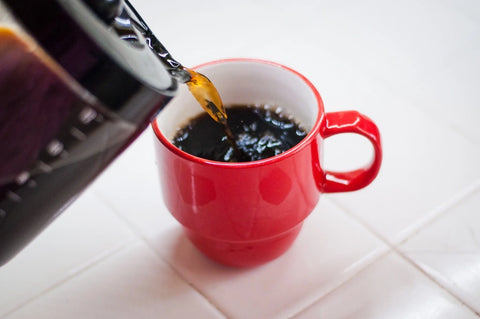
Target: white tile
131,187
469,8
451,93
389,288
426,166
86,232
449,250
424,51
134,283
397,41
330,249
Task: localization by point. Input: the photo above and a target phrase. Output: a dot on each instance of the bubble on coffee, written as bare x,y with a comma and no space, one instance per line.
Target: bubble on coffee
260,132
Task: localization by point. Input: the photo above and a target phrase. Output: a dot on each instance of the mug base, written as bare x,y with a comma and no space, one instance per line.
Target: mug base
247,253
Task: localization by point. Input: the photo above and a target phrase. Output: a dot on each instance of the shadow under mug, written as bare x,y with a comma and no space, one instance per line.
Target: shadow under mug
246,214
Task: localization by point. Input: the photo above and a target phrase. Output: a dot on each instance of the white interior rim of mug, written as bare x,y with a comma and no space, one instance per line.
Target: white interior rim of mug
246,81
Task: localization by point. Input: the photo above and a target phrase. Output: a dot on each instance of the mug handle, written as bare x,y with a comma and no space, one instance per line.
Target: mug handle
352,122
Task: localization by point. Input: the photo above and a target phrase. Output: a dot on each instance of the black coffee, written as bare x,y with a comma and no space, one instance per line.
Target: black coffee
259,133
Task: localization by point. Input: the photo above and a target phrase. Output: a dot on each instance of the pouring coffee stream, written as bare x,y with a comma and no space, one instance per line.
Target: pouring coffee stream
207,95
126,26
199,85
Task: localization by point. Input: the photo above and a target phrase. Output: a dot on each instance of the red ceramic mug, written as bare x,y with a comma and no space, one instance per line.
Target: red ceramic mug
246,214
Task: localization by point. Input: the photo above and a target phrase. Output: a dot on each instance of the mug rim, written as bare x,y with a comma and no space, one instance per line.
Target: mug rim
312,134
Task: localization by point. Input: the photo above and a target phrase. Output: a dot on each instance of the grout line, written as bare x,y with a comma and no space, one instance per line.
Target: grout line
436,213
138,233
433,215
379,252
402,256
101,257
74,273
343,282
432,278
179,274
416,227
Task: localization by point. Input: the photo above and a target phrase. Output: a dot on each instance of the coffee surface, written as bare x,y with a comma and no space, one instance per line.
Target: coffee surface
259,133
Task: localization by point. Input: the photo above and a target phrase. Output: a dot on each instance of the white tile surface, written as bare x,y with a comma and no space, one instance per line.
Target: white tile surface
330,248
389,288
133,283
457,80
84,234
426,166
131,187
449,250
412,66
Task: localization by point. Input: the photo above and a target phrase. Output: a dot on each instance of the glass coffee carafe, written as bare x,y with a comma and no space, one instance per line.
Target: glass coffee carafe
79,81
